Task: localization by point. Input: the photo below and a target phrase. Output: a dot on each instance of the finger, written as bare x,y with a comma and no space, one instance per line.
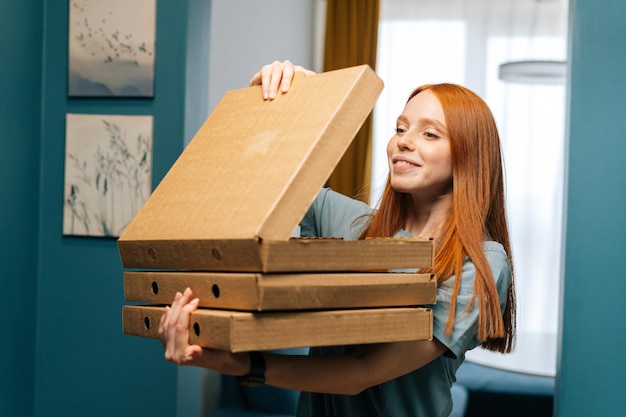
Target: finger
168,320
263,78
179,301
181,341
171,320
172,313
256,79
271,76
288,71
193,352
166,317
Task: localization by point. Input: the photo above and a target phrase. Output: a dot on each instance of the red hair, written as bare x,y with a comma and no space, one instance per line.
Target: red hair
477,212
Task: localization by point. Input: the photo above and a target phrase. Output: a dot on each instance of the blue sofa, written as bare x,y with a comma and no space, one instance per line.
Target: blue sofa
494,392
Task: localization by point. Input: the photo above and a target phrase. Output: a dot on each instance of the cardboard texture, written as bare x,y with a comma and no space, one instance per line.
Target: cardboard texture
244,331
267,292
232,199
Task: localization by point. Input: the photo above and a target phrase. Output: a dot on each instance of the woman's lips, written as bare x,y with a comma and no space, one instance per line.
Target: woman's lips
403,163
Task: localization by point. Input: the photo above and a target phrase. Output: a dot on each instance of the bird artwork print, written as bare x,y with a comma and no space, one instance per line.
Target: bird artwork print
111,48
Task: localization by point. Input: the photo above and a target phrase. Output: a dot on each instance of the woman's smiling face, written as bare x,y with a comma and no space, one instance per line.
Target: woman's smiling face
419,155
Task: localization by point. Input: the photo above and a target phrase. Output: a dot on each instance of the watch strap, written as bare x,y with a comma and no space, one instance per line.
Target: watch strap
256,375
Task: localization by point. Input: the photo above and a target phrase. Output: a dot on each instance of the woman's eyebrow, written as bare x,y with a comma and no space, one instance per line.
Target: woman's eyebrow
423,121
433,122
402,118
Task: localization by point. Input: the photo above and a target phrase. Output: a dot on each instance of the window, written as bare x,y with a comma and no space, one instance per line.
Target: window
464,42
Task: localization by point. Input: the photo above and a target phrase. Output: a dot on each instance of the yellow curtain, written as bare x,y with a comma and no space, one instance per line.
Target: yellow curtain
350,39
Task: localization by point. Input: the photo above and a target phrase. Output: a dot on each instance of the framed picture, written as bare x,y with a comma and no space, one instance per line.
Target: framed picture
108,172
111,48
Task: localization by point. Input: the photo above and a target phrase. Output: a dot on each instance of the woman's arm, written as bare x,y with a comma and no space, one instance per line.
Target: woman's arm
350,374
347,374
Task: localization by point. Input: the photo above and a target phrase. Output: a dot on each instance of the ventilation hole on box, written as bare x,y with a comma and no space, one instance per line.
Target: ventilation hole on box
155,288
216,290
146,322
152,254
217,254
196,328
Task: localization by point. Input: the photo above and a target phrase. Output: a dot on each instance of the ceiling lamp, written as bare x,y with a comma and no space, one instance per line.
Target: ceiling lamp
533,72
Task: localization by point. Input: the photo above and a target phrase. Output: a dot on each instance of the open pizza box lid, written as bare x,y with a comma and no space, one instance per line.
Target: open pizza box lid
239,189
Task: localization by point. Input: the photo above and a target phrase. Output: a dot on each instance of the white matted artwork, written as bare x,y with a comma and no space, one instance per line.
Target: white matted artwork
111,48
108,172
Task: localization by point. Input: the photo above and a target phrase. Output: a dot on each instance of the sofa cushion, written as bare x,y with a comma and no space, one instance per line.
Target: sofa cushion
483,378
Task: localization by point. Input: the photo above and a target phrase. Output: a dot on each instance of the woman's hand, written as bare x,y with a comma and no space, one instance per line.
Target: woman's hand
276,74
174,335
174,330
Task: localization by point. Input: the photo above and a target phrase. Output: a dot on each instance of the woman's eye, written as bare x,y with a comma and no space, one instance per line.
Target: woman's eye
431,135
399,130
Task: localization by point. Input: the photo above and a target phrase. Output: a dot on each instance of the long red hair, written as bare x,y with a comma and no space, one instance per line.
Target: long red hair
477,212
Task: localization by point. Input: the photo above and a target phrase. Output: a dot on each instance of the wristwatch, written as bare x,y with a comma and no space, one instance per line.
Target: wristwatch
256,375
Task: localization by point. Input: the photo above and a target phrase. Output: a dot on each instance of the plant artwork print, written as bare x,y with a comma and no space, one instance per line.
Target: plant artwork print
111,48
108,172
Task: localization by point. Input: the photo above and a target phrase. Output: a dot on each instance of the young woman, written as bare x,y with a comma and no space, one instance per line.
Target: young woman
445,181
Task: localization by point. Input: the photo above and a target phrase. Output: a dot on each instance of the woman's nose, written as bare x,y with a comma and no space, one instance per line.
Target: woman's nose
405,142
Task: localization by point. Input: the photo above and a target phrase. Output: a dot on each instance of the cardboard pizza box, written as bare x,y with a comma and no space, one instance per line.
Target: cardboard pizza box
237,331
267,292
236,193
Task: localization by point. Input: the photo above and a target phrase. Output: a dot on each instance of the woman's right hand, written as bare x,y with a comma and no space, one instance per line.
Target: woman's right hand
276,74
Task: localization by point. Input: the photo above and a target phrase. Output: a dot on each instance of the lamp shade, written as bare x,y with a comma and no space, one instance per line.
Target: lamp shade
533,72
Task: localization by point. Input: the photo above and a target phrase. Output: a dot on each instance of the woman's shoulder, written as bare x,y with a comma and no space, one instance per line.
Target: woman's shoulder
329,197
499,262
335,215
496,255
495,252
495,248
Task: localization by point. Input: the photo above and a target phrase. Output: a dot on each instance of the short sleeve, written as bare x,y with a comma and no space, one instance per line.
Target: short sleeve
465,331
334,215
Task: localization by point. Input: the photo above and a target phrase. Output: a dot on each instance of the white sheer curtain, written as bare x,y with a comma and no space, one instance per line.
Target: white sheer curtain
464,42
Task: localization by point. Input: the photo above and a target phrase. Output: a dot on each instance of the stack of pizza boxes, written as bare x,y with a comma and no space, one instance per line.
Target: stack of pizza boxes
221,223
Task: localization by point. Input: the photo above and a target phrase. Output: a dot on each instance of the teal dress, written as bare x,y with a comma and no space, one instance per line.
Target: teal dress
424,392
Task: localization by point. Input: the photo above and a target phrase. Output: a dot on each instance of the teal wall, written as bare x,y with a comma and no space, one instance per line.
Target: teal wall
85,365
62,351
21,23
592,363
